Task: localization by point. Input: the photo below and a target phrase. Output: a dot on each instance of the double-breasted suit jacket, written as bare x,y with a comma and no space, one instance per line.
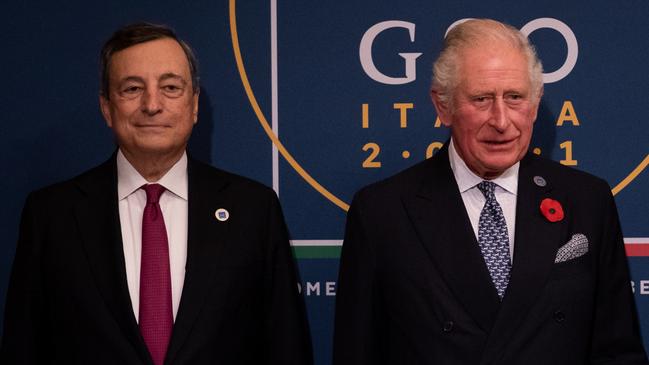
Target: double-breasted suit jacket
68,300
414,287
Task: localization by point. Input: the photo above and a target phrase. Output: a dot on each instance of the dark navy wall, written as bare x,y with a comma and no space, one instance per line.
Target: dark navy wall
51,126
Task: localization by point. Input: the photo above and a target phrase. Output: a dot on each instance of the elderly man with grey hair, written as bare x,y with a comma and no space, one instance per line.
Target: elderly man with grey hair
485,253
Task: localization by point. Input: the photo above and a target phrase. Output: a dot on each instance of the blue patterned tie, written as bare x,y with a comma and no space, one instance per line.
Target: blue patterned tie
493,238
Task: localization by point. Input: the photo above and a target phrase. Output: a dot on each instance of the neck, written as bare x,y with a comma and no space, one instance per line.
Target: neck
154,166
487,175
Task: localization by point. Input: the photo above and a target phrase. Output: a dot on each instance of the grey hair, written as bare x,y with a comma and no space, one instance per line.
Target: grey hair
474,33
137,33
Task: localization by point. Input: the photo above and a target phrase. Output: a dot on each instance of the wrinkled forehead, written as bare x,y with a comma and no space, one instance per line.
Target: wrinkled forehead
490,47
150,59
473,61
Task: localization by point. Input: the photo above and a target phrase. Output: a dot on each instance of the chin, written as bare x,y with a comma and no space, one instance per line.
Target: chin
155,148
500,164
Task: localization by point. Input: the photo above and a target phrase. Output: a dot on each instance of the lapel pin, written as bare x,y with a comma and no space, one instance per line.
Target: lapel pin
539,181
222,215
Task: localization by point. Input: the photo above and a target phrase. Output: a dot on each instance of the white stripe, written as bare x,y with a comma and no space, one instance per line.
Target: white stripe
273,77
636,240
302,243
310,243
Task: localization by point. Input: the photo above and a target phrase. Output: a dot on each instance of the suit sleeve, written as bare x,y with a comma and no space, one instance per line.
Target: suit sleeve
287,340
24,320
355,327
616,337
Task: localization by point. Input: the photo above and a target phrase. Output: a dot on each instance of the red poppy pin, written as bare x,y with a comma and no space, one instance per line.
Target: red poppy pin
551,210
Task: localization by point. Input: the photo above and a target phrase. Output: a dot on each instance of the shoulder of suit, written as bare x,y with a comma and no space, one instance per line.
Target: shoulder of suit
226,179
564,177
105,175
102,172
405,181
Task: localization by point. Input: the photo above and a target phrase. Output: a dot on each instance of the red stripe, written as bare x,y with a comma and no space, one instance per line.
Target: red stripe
637,249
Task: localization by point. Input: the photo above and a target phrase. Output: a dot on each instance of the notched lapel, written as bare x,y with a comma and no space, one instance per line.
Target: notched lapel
206,238
443,226
98,222
535,247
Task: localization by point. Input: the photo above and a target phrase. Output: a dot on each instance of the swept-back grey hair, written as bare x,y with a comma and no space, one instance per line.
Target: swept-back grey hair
137,33
476,33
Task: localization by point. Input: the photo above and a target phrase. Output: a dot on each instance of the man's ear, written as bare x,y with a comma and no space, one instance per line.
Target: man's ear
195,98
535,108
441,107
104,106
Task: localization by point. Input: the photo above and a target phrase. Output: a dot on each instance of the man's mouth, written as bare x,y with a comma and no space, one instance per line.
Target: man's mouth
499,142
151,126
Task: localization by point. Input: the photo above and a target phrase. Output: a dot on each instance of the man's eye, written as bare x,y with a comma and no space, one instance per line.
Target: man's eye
515,98
131,89
130,92
172,88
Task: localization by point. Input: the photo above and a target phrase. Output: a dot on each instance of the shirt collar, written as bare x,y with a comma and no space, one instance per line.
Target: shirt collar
129,180
467,179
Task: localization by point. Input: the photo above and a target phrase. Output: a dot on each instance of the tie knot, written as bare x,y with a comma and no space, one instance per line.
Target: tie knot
153,192
487,188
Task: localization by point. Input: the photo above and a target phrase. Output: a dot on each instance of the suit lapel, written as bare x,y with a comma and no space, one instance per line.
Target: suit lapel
440,219
535,247
97,217
206,237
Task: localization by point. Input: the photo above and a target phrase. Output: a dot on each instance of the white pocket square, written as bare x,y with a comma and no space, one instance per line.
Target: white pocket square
576,247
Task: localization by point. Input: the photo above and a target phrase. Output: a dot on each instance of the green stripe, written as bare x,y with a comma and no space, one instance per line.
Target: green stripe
316,252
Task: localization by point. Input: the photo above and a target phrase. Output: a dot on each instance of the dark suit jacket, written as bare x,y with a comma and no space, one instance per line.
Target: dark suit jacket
414,288
68,301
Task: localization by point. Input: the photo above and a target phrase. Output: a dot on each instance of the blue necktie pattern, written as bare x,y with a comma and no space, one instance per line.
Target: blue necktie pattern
493,239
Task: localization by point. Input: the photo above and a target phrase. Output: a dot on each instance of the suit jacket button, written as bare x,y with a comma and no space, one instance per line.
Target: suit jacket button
559,316
448,326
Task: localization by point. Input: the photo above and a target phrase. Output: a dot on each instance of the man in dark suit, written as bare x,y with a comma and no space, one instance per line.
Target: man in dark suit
485,254
153,257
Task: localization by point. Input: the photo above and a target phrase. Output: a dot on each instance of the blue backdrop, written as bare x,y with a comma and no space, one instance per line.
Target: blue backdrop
320,98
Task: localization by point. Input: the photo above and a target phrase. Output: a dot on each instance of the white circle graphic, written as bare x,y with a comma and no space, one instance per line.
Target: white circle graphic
568,36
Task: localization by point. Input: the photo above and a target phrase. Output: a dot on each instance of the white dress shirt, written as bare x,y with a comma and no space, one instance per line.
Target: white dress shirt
506,192
173,203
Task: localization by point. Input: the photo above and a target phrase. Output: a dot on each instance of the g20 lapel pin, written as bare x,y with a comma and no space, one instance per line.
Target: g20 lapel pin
222,214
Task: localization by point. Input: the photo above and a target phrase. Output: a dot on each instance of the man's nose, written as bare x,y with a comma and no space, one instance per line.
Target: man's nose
151,101
499,119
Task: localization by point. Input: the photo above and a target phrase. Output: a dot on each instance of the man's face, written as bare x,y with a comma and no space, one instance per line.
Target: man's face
493,111
151,106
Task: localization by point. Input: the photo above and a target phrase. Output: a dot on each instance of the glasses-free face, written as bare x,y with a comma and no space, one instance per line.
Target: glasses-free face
493,109
151,106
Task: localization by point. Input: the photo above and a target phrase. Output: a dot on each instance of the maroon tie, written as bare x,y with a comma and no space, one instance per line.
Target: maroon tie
156,317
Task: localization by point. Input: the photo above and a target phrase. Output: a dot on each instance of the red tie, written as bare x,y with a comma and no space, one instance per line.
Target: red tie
156,317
